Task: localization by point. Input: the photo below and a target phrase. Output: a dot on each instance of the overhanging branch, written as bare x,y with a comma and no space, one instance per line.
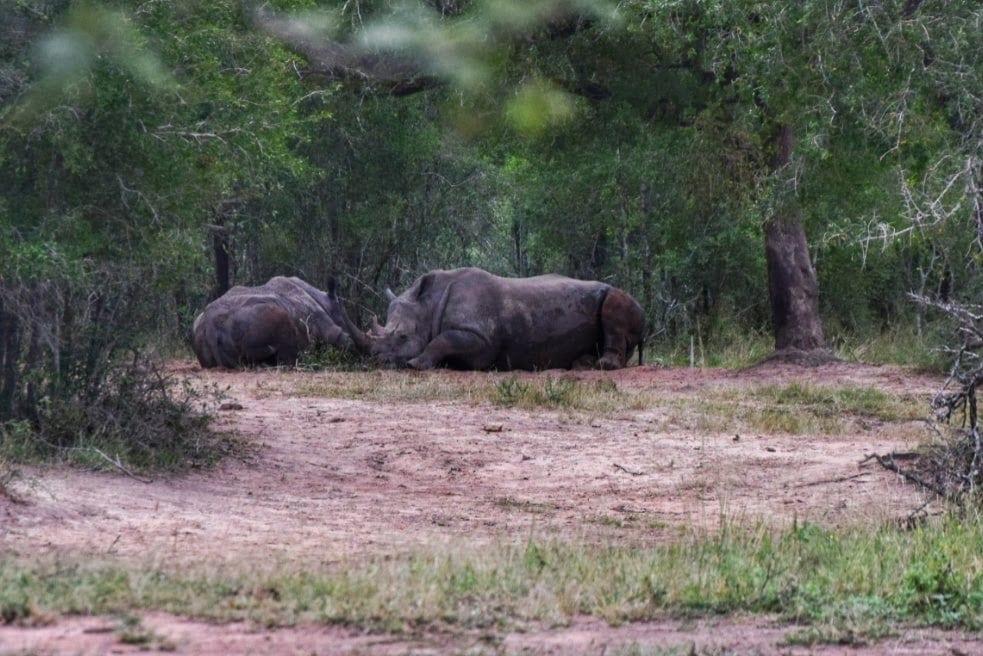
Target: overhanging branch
336,61
396,73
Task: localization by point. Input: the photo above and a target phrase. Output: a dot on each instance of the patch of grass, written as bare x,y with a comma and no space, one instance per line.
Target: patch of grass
728,348
510,391
899,345
860,401
332,359
795,409
131,631
536,507
549,393
601,396
798,409
613,522
865,581
393,387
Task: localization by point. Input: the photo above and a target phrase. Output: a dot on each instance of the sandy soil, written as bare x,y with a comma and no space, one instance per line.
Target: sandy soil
333,479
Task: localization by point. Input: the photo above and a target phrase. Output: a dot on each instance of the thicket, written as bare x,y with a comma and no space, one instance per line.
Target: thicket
153,153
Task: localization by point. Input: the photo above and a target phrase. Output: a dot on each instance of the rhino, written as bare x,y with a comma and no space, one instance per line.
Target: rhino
471,319
270,324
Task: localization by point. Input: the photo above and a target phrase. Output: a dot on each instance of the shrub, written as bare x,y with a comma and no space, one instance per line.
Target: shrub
75,381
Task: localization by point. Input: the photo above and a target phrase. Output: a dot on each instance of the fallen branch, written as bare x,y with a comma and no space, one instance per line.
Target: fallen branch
628,471
887,462
119,465
839,479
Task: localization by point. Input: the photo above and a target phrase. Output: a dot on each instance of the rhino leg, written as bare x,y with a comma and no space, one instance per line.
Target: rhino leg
621,325
461,348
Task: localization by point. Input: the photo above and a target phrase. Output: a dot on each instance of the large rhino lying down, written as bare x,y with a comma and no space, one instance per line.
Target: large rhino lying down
269,324
471,319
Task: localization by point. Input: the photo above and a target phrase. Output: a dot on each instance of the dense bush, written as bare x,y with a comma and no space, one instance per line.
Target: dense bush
77,381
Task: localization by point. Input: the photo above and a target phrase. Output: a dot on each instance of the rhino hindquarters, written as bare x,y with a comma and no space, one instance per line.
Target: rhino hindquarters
621,327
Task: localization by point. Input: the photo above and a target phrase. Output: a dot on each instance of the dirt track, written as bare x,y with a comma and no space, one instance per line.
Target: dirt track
334,479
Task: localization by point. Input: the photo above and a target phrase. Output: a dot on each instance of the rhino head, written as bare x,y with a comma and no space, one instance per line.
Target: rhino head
407,330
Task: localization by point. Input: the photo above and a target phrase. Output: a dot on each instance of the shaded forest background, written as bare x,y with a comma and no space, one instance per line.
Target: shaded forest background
153,153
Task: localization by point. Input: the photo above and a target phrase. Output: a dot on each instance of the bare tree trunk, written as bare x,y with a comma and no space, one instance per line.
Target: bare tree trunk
221,244
519,249
10,334
792,286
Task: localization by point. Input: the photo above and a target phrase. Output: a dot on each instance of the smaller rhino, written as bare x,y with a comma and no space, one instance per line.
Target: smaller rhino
270,324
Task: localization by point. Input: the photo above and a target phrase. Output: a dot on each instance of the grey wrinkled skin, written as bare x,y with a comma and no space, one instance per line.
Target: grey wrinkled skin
270,324
471,319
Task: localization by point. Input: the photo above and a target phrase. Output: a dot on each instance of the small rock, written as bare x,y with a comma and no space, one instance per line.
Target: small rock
493,428
230,406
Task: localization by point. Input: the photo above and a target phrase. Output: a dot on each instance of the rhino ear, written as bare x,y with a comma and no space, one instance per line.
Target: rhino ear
389,295
426,282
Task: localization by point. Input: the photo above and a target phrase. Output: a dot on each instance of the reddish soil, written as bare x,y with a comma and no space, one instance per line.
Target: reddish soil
333,480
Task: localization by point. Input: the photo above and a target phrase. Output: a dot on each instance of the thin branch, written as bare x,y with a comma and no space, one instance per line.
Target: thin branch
119,465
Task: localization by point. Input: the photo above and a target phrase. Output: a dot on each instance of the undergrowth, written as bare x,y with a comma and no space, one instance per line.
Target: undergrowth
143,419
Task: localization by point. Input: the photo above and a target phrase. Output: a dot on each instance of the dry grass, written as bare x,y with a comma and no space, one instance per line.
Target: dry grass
794,409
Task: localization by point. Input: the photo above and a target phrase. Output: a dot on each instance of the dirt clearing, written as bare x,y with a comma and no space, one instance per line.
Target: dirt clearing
340,469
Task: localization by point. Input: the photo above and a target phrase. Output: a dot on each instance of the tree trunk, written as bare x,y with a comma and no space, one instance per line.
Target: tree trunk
792,286
221,247
10,335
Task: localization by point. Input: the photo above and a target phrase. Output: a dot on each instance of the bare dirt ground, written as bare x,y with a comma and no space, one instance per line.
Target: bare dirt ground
331,480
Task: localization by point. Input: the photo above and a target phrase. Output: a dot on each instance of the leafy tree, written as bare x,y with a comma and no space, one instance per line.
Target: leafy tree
782,91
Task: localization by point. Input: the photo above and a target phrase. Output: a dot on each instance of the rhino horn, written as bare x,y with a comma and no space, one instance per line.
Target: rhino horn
376,329
362,341
389,295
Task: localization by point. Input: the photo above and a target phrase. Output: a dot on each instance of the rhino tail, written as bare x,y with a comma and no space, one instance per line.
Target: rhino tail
198,342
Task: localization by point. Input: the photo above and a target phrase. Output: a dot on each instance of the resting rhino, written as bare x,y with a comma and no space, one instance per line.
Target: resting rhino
269,324
471,319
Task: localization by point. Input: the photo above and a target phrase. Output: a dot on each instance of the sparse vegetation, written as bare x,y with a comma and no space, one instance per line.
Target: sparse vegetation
863,581
131,631
794,409
535,507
